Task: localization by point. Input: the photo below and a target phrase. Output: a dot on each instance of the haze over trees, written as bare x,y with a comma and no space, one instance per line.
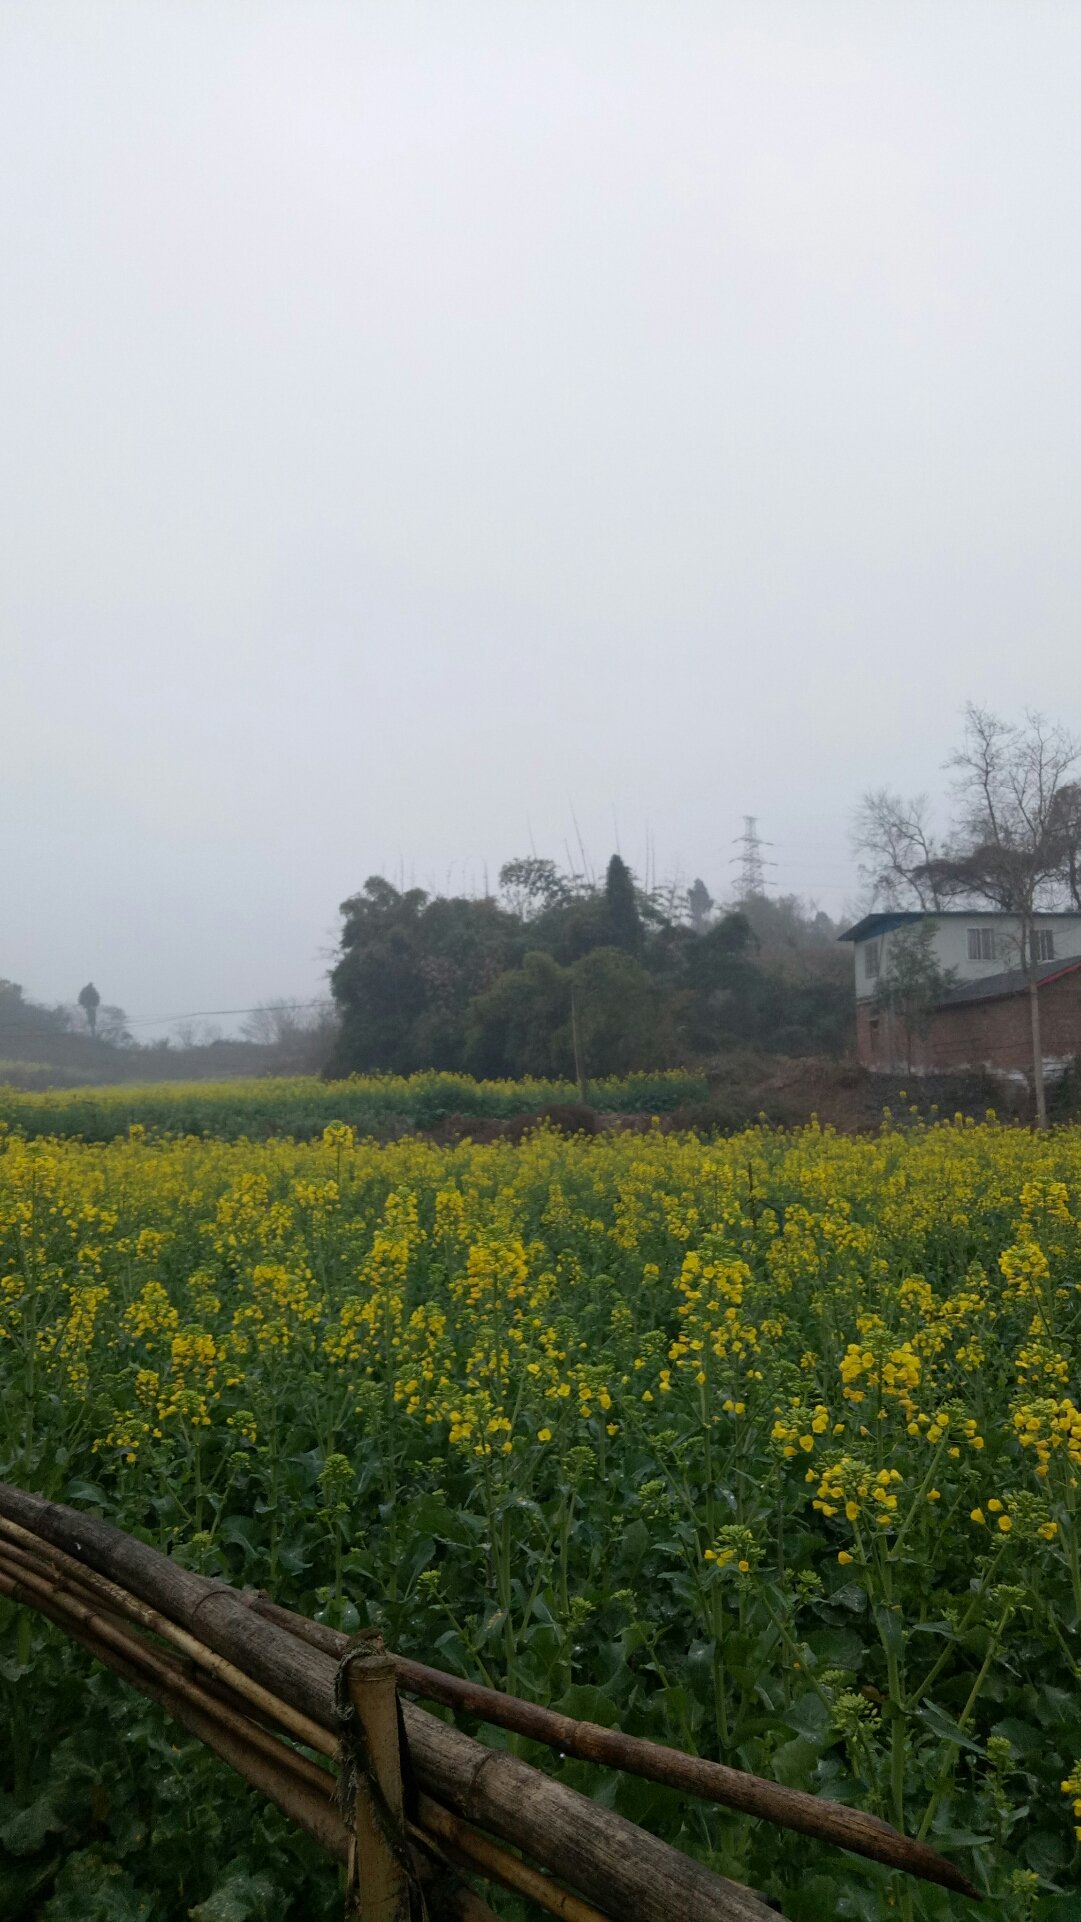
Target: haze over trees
498,986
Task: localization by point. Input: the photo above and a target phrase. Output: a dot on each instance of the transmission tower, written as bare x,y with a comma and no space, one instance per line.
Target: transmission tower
750,861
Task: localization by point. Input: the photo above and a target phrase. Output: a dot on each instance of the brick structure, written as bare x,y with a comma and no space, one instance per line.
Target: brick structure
983,1019
986,1027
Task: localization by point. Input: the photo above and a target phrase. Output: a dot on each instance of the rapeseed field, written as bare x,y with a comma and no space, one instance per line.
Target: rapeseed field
766,1447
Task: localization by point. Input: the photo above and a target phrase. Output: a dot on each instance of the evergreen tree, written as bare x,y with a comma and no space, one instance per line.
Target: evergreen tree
624,921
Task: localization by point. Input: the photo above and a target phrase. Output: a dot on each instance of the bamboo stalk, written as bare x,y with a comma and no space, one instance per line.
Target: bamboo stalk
377,1872
118,1601
303,1792
599,1854
172,1677
828,1821
211,1723
71,1578
475,1851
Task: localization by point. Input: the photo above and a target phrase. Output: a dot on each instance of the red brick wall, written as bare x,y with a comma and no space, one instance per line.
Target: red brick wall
995,1034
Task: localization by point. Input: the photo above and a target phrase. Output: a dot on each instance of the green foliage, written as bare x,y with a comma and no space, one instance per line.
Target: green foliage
913,980
470,984
300,1107
616,1423
624,921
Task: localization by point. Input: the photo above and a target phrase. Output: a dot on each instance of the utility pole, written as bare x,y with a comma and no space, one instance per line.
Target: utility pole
750,861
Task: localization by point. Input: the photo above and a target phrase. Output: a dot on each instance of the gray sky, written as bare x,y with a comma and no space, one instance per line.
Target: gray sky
423,420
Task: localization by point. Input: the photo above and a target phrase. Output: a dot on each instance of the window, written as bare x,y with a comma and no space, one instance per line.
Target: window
1043,944
981,944
870,959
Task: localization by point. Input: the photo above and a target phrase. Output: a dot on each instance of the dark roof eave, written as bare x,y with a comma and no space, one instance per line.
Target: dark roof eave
1002,987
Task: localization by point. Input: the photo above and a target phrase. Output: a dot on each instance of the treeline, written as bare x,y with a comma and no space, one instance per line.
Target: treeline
57,1046
559,976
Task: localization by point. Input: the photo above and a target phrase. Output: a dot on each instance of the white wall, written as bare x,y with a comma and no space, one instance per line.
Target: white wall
951,945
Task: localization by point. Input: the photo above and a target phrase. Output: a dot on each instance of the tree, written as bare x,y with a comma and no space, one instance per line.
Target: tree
532,885
407,972
1066,828
521,1024
899,849
912,981
1010,849
112,1027
699,905
299,1034
89,1002
621,901
1013,846
620,1016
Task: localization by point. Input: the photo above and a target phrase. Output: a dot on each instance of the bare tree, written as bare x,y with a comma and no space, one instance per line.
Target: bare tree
1015,845
912,982
190,1034
112,1026
531,885
1009,850
899,849
300,1033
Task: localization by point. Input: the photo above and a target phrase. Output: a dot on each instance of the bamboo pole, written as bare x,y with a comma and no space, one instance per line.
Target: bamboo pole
602,1856
304,1793
118,1601
828,1821
378,1874
475,1851
497,1862
297,1798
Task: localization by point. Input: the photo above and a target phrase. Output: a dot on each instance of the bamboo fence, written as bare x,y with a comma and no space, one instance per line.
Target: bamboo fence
416,1809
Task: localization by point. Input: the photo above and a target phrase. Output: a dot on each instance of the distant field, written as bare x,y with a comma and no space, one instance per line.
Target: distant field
302,1106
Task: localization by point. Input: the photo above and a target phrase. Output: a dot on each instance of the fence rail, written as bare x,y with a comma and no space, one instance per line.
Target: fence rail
412,1805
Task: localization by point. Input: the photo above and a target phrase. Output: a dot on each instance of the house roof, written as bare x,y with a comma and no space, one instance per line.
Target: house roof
995,987
873,924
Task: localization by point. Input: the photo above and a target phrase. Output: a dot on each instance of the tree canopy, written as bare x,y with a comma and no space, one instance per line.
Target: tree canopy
494,986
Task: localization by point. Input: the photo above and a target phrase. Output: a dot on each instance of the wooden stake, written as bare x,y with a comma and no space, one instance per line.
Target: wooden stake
378,1874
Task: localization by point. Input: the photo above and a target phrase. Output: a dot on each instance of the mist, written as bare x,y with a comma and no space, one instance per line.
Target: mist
435,434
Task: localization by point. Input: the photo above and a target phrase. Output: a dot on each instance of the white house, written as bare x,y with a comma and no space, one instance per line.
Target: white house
981,1020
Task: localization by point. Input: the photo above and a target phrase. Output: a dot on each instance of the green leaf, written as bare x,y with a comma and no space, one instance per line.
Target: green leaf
429,1516
235,1531
24,1833
836,1647
850,1596
86,1494
90,1889
947,1730
890,1624
241,1898
793,1763
1022,1736
809,1716
1048,1852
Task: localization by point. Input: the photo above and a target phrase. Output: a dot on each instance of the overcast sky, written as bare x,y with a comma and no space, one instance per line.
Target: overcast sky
425,426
